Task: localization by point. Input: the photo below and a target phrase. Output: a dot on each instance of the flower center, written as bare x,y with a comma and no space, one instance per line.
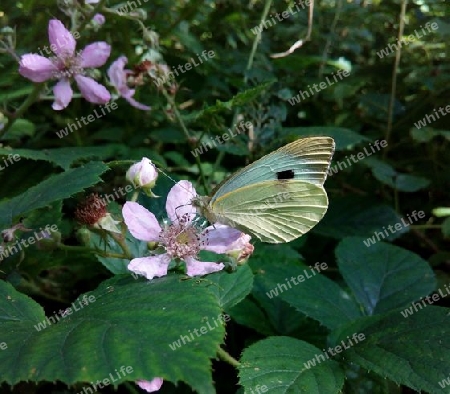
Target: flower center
181,239
68,65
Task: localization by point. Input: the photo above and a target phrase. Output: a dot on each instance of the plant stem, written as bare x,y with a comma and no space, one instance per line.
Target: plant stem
394,75
27,103
225,356
187,135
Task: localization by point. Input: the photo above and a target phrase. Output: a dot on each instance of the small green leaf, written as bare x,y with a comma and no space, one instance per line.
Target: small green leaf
20,128
56,187
285,365
441,212
389,176
382,276
231,288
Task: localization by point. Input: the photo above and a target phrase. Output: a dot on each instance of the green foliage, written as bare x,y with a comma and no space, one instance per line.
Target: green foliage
97,338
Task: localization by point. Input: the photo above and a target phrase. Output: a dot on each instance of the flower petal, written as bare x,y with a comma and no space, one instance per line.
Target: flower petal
150,386
219,238
179,203
137,104
36,68
95,55
92,91
150,266
141,222
62,42
195,267
63,94
116,73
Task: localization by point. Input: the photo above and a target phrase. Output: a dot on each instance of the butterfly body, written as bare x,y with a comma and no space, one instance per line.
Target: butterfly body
277,198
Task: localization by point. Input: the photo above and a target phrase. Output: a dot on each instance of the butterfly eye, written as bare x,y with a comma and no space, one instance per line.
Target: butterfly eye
288,174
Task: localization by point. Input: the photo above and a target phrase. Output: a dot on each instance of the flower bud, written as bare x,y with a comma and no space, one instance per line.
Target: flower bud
241,249
98,19
143,175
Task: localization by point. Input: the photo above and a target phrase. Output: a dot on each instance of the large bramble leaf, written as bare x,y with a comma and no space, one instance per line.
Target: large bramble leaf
355,216
126,322
408,347
383,277
309,292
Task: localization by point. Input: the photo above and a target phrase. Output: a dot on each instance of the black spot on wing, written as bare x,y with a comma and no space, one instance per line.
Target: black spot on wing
288,174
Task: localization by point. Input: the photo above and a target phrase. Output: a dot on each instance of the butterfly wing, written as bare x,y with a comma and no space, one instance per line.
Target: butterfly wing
306,159
273,211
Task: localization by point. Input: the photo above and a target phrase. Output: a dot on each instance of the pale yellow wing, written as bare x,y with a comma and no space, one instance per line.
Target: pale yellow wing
273,211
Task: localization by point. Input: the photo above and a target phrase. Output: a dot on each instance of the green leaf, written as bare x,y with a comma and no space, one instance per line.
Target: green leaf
412,351
238,100
446,227
116,265
277,364
441,212
389,176
345,139
56,187
15,93
350,216
311,293
20,128
231,288
249,314
382,276
66,157
126,322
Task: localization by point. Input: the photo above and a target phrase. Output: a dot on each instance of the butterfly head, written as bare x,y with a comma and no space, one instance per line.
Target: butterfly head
202,203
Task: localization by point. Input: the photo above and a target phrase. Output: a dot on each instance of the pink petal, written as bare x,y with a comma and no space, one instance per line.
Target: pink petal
36,68
195,267
116,73
150,266
61,39
63,95
220,238
179,199
95,55
137,104
141,222
92,91
150,386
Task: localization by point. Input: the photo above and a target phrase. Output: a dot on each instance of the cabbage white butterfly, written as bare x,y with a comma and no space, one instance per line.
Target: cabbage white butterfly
277,198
